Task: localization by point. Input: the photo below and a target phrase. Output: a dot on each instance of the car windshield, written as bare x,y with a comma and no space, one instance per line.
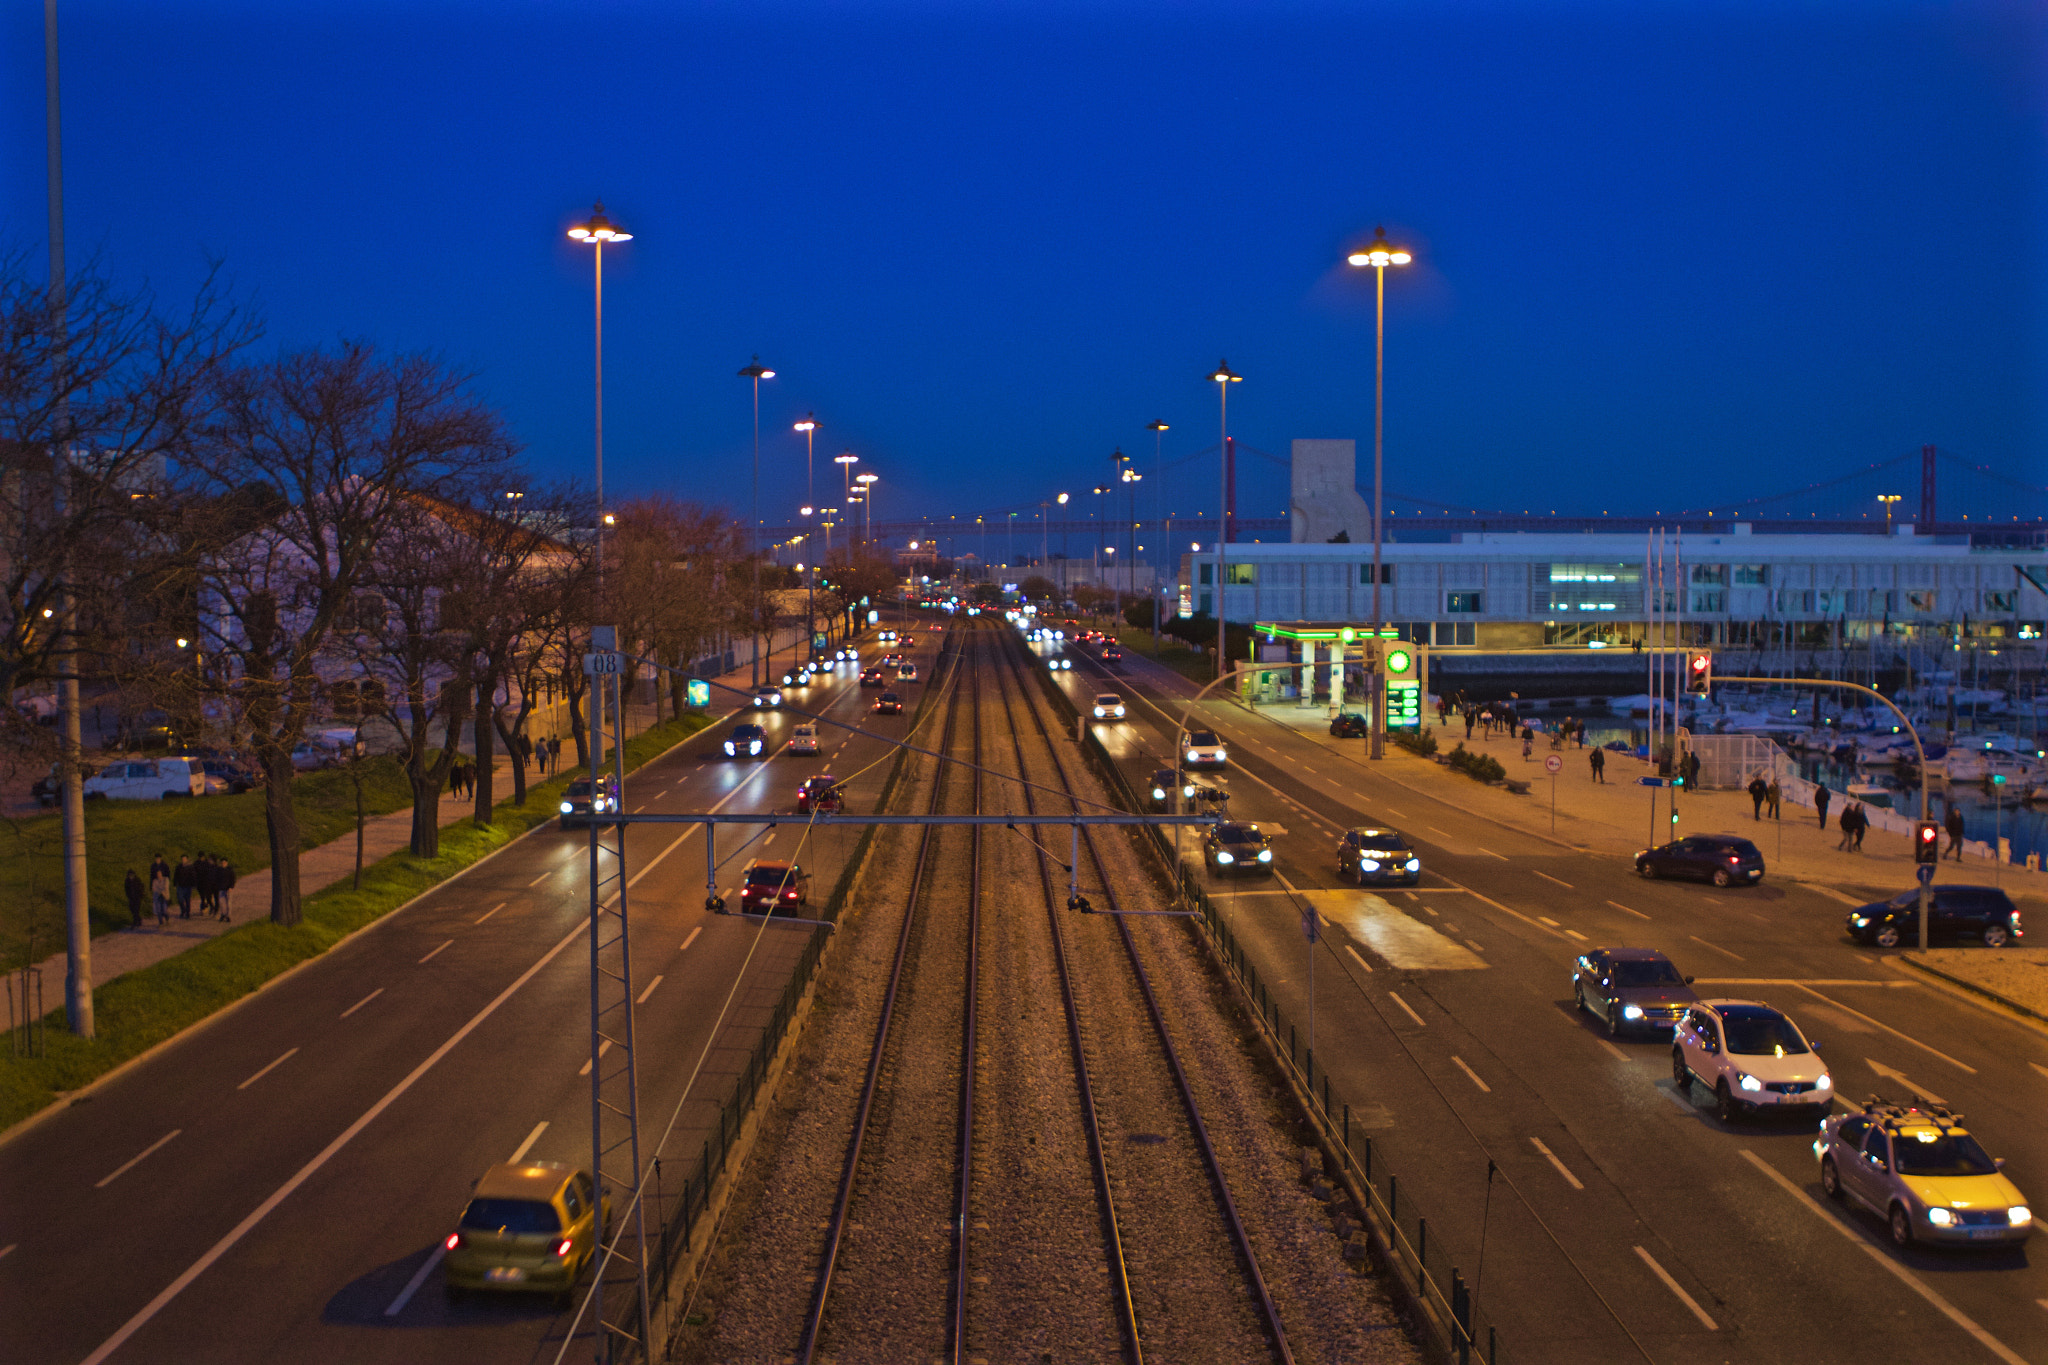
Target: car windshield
580,787
1202,739
1930,1153
769,876
1109,699
511,1215
748,732
1382,838
1762,1033
1644,973
1239,834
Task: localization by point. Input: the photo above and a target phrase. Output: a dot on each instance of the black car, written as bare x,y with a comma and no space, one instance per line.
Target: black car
1723,859
1349,725
1237,848
871,677
579,803
1160,791
746,741
238,776
1630,988
1374,853
1959,914
888,704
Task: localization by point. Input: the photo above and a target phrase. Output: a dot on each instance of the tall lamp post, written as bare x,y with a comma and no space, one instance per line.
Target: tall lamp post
1378,256
597,231
809,427
1888,499
846,460
1132,478
867,484
1223,378
1063,549
756,372
1158,428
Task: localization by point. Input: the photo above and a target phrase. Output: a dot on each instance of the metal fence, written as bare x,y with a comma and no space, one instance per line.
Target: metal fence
1728,761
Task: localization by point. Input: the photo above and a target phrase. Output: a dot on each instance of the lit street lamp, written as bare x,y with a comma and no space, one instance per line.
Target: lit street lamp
1888,499
597,232
1223,378
756,372
809,427
846,461
1378,256
867,484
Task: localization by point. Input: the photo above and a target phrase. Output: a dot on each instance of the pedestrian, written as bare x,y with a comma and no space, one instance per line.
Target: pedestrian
1579,732
1757,792
136,890
1954,825
202,881
1469,719
1862,827
160,891
224,873
1598,761
1692,768
1528,744
1821,797
1772,794
1847,824
184,880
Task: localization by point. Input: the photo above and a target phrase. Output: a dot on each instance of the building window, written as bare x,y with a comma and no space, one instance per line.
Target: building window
1241,573
1587,587
1208,575
2001,601
1461,601
1365,574
1208,607
1456,633
1752,575
1713,575
1921,601
1713,600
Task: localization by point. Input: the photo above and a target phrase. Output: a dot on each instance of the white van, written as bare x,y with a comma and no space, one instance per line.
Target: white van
147,779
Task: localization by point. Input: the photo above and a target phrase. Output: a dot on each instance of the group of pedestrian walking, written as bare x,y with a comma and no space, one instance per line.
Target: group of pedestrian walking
547,753
210,880
1762,794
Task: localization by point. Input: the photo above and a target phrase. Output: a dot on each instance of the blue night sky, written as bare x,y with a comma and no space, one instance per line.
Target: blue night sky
1668,254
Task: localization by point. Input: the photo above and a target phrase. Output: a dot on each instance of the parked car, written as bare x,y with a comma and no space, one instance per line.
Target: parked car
1919,1169
1349,725
768,885
529,1225
233,777
147,779
1374,853
1630,988
312,756
1723,859
803,739
1753,1058
1957,914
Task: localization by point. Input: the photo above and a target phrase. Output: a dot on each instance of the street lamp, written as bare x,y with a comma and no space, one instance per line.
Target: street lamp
1158,428
809,427
1888,499
1132,478
1223,378
867,484
756,372
846,461
1377,256
597,232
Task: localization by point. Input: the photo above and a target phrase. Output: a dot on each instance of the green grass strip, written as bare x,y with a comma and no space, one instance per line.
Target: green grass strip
135,1012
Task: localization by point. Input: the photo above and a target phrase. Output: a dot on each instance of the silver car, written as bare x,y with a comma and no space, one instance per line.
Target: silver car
1915,1166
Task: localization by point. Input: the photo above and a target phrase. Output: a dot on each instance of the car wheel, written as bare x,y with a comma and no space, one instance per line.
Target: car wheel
1724,1102
1902,1227
1680,1075
1579,999
1648,871
1994,936
1830,1178
1721,877
1887,936
1614,1019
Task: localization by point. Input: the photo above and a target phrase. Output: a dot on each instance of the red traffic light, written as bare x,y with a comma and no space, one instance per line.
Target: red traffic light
1926,842
1699,672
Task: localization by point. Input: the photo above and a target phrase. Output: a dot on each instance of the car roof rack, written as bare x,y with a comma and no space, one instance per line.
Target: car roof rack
1896,1111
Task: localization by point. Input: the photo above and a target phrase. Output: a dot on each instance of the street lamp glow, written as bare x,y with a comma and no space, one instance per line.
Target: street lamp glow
1377,256
1224,375
808,424
1380,253
1063,499
599,229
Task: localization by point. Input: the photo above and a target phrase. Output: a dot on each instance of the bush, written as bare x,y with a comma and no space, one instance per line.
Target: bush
1483,767
1422,742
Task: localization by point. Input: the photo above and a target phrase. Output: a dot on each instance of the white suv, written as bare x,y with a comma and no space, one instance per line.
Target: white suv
1109,706
1753,1058
1203,749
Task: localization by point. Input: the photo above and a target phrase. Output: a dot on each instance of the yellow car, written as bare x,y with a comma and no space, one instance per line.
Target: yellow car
530,1226
1915,1166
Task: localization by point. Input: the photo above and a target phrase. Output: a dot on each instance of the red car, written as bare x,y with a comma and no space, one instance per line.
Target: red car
770,885
818,793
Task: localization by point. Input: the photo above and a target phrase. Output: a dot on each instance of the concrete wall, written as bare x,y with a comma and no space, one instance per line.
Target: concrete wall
1324,500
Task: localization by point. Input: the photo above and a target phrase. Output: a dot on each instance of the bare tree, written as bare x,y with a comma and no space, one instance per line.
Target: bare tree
325,444
557,585
674,592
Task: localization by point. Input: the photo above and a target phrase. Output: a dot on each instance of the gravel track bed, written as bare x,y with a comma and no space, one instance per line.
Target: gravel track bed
1332,1310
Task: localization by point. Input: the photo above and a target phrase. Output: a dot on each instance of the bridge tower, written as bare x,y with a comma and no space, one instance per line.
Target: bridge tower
1927,490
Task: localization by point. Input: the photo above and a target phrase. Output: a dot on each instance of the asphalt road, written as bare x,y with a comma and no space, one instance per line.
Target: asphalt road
1445,1016
274,1184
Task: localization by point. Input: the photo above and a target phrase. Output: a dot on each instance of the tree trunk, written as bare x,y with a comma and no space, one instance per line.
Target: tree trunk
281,822
486,752
516,747
355,771
576,731
426,815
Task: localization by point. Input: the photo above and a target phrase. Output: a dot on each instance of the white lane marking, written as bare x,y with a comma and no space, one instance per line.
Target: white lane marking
1675,1288
1576,934
1490,853
1305,768
1960,1066
1562,1169
1411,895
1551,922
1682,1100
1892,1074
1548,878
1432,910
1471,1075
430,956
637,809
1861,958
1904,1276
267,1070
1626,911
1800,981
768,838
2038,1067
362,1002
1405,1010
1473,946
649,991
130,1165
531,1138
1541,928
1833,894
541,878
306,1172
419,1277
602,1048
1356,958
1434,830
4,1251
1396,814
1716,947
1619,1055
492,911
692,938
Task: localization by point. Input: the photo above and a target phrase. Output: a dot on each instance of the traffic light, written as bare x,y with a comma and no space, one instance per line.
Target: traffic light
1926,842
1699,672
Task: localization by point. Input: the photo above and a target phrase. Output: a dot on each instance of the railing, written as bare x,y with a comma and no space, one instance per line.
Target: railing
27,1029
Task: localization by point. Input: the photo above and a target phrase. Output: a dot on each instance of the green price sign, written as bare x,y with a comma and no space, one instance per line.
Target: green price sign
700,692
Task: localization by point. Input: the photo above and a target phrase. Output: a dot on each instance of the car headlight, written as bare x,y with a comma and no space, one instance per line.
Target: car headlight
1265,855
568,809
1159,793
1859,920
1194,757
1942,1218
1633,1012
1415,864
1099,713
1188,790
729,749
1748,1082
2018,1214
754,747
1369,864
1223,857
1826,1082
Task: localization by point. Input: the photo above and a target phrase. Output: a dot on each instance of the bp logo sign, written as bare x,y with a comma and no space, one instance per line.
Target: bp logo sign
1399,661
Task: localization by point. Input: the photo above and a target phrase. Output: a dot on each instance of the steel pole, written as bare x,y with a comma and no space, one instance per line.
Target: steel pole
1377,701
1222,515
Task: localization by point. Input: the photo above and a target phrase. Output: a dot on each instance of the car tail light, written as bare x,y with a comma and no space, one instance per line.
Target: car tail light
789,895
1733,859
454,1241
562,1247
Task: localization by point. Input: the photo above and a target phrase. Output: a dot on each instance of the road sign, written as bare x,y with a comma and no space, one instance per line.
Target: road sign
1926,873
1649,782
603,662
1553,764
1311,927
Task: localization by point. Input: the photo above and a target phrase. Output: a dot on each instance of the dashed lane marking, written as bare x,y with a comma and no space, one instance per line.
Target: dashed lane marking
1562,1169
1548,878
1577,935
1432,910
1904,1276
362,1002
1717,948
2038,1067
1474,946
1406,1010
492,911
1679,1290
541,878
1471,1075
1626,911
692,938
430,956
1356,958
1490,853
8,1250
602,1048
267,1070
135,1161
527,1145
1551,922
1961,1066
649,991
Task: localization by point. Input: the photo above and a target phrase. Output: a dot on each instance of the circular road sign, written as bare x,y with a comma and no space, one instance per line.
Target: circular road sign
1552,763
